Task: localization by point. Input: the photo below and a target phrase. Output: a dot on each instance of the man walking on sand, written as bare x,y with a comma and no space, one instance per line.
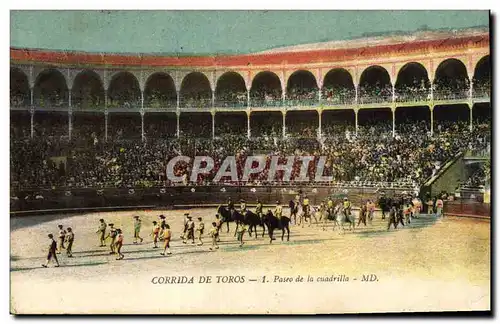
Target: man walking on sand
137,229
52,252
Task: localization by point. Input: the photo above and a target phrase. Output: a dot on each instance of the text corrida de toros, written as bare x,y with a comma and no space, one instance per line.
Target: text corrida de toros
277,168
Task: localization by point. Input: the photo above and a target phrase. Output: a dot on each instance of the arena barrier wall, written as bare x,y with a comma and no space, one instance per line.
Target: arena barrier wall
92,199
467,208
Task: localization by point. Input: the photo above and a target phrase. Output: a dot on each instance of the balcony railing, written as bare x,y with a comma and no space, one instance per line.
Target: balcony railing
483,92
231,103
374,99
195,103
451,95
266,102
338,100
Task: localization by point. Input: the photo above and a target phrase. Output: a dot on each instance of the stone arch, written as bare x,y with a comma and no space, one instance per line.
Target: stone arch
88,90
482,78
302,85
110,75
159,91
195,90
230,90
266,89
124,91
306,73
338,87
451,80
50,89
375,85
19,88
412,83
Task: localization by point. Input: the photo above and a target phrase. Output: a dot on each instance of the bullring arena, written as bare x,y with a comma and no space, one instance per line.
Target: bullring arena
432,264
397,116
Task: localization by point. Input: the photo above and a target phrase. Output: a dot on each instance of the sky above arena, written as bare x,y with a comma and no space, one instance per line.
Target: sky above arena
217,32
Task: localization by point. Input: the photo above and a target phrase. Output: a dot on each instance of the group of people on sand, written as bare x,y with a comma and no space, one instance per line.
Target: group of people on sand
400,211
65,241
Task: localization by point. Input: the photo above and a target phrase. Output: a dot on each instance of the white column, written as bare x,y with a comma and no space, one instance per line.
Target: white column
142,125
319,95
106,125
70,123
248,98
69,98
178,100
283,95
32,127
319,120
470,116
178,116
213,99
356,119
248,125
393,121
31,97
393,93
432,119
283,113
471,89
356,89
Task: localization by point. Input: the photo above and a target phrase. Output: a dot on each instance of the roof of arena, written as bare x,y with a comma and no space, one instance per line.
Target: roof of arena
301,54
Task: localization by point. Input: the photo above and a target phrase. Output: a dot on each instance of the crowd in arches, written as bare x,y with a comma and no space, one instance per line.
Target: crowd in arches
301,88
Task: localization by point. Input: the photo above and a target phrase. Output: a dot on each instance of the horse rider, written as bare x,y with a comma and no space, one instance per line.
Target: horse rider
258,209
243,207
278,212
329,205
230,206
346,207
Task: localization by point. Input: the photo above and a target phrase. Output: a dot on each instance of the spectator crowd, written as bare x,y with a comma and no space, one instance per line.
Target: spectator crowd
369,156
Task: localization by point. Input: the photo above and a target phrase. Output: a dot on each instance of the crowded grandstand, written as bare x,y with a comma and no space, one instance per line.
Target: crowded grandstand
69,129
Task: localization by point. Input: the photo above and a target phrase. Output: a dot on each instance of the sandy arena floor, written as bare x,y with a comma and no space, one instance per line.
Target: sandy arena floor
430,265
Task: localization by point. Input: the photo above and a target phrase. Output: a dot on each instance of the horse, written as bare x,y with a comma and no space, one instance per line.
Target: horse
272,222
341,218
323,214
252,220
305,214
226,217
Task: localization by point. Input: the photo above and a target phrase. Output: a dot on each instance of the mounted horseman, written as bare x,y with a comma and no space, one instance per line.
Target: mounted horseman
229,214
273,222
254,219
347,216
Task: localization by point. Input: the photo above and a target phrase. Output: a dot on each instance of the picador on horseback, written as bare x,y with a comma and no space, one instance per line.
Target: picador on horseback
258,209
230,205
346,208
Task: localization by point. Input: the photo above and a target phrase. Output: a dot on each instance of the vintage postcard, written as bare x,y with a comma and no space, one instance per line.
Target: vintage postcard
250,162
